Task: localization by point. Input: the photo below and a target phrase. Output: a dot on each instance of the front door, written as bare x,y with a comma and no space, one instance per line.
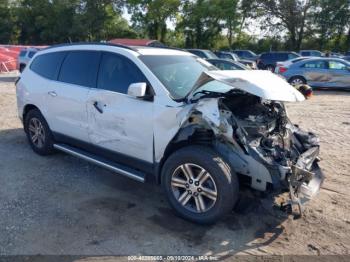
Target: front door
340,74
316,73
117,121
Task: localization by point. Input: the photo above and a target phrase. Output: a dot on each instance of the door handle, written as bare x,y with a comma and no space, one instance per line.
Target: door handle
52,93
97,107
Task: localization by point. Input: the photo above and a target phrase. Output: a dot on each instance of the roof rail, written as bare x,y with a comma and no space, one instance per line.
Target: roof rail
92,43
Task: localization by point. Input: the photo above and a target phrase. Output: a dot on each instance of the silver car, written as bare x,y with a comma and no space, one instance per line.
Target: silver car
319,72
24,57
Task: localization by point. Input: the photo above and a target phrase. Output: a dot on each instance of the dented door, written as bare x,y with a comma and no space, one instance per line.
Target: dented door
117,121
121,123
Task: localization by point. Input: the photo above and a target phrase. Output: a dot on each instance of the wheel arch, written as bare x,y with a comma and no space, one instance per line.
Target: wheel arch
187,136
295,76
26,109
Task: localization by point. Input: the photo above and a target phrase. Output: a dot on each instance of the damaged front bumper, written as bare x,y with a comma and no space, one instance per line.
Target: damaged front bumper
305,180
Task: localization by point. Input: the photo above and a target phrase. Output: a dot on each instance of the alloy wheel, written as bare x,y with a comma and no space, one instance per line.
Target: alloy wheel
194,188
297,82
36,132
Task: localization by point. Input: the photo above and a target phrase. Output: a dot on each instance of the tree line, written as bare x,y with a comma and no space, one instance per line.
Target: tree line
216,24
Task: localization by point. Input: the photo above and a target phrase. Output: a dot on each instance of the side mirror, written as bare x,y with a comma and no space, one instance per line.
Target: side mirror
137,90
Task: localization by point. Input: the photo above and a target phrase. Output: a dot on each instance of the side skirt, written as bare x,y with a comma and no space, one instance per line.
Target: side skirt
100,161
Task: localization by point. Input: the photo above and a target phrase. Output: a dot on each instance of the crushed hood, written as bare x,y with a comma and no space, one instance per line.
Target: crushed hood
261,83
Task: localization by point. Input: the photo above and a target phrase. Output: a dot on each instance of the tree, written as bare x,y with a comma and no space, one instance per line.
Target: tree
151,16
201,22
230,18
291,15
331,20
7,22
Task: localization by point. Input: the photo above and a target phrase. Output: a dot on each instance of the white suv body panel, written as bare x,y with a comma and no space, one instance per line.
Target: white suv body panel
131,132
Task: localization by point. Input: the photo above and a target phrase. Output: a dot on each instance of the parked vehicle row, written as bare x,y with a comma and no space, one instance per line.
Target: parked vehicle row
24,57
318,72
200,132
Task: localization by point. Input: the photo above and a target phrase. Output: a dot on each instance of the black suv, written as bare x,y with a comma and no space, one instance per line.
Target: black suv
268,60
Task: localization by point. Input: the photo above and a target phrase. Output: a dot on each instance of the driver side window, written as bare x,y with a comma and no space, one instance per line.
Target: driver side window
337,65
117,73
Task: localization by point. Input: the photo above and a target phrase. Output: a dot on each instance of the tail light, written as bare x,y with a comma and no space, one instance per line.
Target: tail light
282,69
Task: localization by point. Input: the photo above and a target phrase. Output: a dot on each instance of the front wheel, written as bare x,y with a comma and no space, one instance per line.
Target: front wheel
199,185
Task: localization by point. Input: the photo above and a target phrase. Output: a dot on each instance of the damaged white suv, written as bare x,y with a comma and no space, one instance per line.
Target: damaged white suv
142,111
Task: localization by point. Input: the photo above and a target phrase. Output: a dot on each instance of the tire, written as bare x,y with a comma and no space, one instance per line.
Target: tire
197,206
35,124
270,68
297,80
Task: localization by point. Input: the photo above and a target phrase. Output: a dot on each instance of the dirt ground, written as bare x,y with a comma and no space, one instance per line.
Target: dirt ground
63,205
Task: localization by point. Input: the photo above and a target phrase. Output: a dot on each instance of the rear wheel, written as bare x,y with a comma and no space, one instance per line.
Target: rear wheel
199,185
297,81
38,133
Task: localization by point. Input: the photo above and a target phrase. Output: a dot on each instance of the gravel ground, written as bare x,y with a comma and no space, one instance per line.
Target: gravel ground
63,205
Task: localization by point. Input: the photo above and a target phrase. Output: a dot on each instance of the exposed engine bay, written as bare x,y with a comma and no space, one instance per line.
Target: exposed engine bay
260,142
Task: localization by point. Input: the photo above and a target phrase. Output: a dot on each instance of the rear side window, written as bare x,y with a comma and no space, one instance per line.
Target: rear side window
226,66
22,53
266,56
31,54
316,64
47,65
281,56
198,53
117,73
80,68
292,56
305,53
225,56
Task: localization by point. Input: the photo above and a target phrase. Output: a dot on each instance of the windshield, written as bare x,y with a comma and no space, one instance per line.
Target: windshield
177,73
210,54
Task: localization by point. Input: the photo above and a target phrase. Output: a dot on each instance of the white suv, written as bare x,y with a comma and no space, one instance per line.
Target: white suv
142,111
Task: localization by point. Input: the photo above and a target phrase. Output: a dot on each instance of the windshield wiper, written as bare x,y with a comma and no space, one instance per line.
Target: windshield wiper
206,94
213,94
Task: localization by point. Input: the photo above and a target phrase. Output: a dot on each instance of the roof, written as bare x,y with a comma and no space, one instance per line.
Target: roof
136,42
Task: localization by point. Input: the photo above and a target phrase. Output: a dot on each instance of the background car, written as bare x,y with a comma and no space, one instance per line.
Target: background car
319,72
311,53
202,53
232,56
226,64
246,54
24,57
269,60
347,58
281,66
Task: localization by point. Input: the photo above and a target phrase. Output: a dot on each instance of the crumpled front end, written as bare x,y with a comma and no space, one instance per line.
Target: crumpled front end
260,143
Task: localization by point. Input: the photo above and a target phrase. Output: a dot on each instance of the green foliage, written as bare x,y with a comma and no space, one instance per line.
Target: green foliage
214,24
150,16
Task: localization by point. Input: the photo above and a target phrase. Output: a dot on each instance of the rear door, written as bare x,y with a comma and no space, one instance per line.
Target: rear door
66,97
118,122
316,73
339,73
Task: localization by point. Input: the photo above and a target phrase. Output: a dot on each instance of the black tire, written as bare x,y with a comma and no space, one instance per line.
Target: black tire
297,80
225,181
45,147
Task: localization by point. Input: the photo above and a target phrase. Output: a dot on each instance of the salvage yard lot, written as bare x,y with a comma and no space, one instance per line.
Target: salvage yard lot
63,205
